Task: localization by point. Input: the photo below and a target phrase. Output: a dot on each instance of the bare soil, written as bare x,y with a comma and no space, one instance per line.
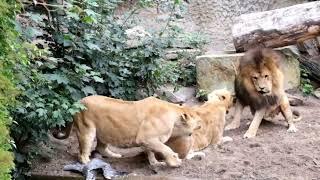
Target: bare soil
272,154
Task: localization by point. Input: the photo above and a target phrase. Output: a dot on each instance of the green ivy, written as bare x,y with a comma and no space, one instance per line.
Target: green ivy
10,54
82,50
306,86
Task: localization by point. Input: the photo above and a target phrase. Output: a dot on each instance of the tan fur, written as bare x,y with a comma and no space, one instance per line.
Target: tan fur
148,123
259,85
212,120
212,114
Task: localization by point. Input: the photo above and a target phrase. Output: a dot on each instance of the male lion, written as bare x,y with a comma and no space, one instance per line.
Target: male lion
259,85
212,118
148,123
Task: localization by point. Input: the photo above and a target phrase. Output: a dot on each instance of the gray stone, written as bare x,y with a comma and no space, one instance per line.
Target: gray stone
316,93
136,36
173,54
182,95
216,71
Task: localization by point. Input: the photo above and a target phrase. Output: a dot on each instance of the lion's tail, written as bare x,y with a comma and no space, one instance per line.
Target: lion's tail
64,134
297,116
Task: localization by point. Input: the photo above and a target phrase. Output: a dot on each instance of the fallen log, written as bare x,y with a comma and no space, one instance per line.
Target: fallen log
312,65
277,28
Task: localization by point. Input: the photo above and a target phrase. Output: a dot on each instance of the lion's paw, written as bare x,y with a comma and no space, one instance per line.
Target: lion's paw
292,129
199,155
249,134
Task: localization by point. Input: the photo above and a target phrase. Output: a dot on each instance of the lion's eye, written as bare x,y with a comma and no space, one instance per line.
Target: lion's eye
266,76
255,78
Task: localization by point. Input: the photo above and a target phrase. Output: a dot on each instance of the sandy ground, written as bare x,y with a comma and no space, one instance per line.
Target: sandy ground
273,154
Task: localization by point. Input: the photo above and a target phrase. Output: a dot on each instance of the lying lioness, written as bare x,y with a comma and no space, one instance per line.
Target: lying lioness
212,114
148,123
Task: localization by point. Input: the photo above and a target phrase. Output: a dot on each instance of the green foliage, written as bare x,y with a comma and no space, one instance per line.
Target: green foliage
83,50
9,55
306,86
202,95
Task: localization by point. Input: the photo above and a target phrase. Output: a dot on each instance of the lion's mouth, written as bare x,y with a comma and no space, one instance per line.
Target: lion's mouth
264,92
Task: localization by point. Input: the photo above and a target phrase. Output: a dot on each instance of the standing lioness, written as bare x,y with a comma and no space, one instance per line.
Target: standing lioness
148,123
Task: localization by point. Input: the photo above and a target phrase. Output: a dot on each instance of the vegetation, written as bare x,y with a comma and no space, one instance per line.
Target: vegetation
83,48
305,84
9,55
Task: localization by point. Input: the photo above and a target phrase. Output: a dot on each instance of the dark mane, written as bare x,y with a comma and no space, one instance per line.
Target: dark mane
255,103
255,58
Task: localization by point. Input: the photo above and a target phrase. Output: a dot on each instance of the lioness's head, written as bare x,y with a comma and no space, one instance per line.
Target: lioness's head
186,124
222,95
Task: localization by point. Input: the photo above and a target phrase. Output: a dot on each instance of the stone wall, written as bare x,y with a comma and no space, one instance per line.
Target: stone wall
214,18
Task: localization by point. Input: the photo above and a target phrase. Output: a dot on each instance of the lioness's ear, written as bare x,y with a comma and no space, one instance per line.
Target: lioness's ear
185,117
222,97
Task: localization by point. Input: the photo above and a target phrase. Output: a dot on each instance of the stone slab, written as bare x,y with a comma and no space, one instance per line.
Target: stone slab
216,71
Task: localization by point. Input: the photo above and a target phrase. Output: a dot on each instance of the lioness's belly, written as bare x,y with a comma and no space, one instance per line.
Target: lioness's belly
115,122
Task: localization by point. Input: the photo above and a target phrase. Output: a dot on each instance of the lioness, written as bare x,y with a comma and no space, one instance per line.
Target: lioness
212,114
148,123
259,85
212,119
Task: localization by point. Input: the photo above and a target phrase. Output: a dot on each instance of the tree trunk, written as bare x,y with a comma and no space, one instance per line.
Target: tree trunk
277,28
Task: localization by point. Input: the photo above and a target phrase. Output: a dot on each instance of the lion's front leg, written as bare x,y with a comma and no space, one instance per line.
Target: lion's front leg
153,160
236,118
155,145
253,128
287,114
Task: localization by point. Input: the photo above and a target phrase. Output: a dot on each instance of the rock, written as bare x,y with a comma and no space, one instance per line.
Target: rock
136,37
181,96
290,69
216,71
316,93
173,54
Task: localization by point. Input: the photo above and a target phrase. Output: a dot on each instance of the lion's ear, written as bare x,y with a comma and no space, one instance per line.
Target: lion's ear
222,98
185,117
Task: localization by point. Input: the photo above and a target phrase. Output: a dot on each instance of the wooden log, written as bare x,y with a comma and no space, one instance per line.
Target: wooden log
312,65
277,28
310,47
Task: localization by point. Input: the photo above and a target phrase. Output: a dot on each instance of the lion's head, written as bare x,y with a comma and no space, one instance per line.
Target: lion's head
259,80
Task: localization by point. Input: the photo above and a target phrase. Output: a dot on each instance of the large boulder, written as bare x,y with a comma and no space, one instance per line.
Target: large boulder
216,71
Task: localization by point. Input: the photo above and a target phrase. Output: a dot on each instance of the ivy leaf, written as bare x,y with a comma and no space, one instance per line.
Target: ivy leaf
89,19
56,77
41,112
93,46
56,114
88,90
98,79
32,32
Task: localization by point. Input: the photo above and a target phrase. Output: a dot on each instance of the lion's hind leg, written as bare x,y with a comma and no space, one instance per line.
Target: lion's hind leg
287,114
104,150
85,137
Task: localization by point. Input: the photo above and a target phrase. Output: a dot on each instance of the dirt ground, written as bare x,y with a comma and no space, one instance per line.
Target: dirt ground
273,154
